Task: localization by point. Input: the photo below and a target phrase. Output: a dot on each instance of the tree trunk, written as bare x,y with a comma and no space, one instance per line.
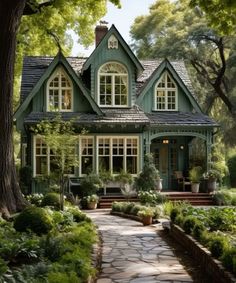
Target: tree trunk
11,199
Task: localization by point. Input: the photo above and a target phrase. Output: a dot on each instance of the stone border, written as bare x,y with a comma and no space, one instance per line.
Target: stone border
124,215
202,255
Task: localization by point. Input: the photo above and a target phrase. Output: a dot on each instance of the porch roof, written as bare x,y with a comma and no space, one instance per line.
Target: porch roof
131,116
180,119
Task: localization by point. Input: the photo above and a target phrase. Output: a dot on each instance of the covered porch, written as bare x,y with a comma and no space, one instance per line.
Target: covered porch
177,150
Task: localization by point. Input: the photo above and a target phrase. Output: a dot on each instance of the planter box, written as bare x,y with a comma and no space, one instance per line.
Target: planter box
203,256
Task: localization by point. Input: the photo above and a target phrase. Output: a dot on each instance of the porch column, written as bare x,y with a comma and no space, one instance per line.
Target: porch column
208,155
147,146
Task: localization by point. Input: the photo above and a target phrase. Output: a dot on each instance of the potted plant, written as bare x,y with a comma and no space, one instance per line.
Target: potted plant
212,177
195,175
92,201
146,214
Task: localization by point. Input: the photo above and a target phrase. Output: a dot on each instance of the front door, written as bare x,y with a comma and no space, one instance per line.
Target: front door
166,159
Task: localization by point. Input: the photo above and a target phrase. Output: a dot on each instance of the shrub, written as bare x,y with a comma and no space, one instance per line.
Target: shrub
51,199
90,184
35,219
229,259
147,180
35,199
128,207
78,215
218,245
198,229
58,277
135,209
174,213
222,198
189,223
116,206
179,220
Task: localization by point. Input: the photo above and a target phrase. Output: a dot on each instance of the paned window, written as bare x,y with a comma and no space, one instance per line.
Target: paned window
45,162
116,154
86,155
113,85
166,94
59,92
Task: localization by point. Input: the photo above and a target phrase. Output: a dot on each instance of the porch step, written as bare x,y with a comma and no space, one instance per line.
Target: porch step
194,199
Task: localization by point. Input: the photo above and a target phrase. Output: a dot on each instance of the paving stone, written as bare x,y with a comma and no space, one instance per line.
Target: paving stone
133,253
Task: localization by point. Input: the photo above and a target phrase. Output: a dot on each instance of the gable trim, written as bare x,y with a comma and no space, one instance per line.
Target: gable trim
122,42
166,65
60,58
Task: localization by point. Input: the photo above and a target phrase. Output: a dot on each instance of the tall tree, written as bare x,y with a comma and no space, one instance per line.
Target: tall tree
11,13
175,30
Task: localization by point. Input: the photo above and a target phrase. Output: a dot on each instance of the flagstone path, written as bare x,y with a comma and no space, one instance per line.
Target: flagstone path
133,253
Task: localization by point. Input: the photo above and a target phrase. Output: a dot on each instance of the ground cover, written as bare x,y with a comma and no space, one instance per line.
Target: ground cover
44,244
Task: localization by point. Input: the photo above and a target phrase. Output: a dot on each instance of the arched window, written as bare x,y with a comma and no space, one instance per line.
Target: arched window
59,92
113,85
166,94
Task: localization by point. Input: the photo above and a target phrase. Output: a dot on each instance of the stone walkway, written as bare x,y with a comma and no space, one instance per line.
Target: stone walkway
133,253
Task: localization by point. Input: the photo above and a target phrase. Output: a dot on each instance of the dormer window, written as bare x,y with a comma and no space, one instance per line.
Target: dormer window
113,85
166,94
59,92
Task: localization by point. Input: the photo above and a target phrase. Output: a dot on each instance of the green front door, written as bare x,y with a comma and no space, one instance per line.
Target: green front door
166,160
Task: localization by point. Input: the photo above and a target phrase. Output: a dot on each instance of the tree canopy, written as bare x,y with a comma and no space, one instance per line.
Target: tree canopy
221,14
177,31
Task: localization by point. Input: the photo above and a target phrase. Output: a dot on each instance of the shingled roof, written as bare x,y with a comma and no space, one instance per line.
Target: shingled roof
180,118
132,116
35,66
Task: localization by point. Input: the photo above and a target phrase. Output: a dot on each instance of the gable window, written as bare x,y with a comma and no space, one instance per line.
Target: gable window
166,94
118,154
59,92
113,85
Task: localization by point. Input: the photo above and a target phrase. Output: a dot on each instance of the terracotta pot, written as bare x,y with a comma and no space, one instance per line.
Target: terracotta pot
147,220
92,205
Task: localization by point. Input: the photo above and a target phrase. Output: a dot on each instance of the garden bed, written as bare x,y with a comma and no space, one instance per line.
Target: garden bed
210,265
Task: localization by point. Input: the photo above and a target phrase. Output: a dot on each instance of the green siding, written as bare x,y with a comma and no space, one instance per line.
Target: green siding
147,103
107,55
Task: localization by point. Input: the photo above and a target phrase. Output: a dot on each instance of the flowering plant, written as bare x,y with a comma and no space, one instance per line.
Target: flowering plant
213,174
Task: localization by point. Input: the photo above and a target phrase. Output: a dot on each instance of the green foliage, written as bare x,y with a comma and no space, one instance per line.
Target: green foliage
3,267
51,199
220,14
189,223
124,178
217,245
35,219
147,179
78,215
58,277
151,197
232,170
198,230
90,184
229,259
35,199
175,211
92,198
195,174
223,198
146,211
221,219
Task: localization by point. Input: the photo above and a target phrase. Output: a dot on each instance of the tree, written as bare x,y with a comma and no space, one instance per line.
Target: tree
220,13
11,13
176,31
60,138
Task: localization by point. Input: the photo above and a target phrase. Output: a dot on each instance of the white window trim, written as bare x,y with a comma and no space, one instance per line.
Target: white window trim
113,105
165,89
80,153
111,155
60,70
48,159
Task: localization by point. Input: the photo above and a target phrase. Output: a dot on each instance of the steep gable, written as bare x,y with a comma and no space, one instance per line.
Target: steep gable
153,70
37,70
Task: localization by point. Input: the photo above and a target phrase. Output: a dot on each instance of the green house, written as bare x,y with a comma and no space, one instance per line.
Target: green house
128,107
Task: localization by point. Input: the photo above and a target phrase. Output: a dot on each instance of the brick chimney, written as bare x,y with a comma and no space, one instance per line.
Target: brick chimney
100,31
